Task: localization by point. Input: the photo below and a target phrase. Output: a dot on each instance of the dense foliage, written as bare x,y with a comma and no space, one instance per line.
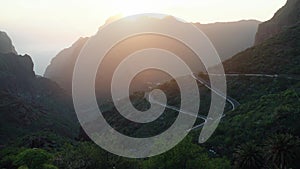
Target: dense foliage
263,132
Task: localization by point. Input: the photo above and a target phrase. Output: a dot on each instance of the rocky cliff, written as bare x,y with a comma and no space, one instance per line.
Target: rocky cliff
6,45
29,103
285,17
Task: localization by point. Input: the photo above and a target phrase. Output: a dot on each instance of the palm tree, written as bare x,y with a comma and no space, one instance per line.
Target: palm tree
281,149
248,156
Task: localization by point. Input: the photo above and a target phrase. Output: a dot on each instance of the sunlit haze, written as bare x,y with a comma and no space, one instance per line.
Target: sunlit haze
43,28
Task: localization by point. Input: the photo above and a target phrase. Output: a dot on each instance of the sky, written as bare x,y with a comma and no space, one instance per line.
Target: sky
43,28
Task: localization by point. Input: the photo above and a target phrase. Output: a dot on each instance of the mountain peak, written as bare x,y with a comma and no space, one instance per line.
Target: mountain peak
6,45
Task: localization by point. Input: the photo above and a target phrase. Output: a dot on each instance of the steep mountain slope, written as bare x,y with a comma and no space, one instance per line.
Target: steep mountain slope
29,103
61,68
17,69
287,16
240,33
6,45
268,104
278,55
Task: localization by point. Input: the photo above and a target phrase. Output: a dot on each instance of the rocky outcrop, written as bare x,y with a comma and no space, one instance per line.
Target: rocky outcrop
285,17
16,71
29,103
6,45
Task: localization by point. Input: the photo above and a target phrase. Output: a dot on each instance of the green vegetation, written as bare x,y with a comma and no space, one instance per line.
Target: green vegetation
87,155
278,55
34,159
279,151
29,103
248,156
187,156
39,130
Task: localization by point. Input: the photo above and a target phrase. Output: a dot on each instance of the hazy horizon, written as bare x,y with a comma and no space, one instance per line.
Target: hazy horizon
43,28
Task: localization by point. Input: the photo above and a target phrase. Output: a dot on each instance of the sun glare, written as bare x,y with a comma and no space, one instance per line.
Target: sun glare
131,7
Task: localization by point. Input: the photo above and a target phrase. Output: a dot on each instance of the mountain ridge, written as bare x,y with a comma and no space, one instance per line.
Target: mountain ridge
31,103
61,68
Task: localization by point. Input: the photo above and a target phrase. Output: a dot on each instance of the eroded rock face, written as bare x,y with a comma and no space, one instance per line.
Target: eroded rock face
6,45
14,69
287,16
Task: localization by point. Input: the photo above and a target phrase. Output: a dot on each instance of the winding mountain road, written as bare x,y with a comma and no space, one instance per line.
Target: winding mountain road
176,109
234,103
283,76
